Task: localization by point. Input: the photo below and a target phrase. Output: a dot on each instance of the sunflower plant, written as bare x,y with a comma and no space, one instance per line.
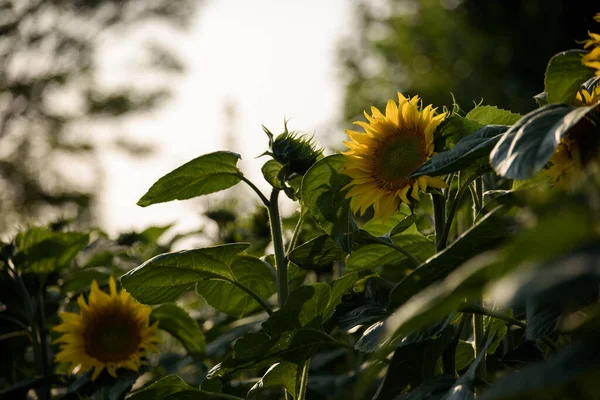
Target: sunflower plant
443,254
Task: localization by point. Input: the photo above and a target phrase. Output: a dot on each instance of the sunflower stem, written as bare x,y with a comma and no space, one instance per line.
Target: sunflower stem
255,296
476,309
303,380
443,240
262,197
296,232
400,249
478,334
439,211
42,331
277,237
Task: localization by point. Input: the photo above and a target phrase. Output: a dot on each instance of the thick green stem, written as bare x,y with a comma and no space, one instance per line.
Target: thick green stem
277,236
439,217
303,380
443,239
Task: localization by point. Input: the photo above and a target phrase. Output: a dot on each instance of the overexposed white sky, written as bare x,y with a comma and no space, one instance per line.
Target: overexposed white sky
270,59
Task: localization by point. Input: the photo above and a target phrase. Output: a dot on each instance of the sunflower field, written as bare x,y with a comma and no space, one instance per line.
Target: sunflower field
446,254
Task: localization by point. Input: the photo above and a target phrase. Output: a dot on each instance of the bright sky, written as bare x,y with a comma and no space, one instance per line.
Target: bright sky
271,59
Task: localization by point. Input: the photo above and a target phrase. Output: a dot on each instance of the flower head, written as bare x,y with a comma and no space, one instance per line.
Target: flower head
111,331
592,59
381,159
294,151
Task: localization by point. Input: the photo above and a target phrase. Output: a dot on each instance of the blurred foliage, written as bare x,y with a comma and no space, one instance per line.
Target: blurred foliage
490,50
50,97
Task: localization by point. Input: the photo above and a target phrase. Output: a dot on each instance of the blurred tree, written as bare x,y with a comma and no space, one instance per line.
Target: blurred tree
495,50
50,95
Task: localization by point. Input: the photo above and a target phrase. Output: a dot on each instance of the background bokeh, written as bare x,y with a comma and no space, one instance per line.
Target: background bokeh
100,98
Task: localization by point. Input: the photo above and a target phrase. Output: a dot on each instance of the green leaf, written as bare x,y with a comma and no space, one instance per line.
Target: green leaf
464,153
153,233
40,250
172,387
564,75
270,171
285,374
374,256
463,389
181,326
304,308
492,324
403,225
376,227
527,146
465,354
492,115
338,288
167,276
259,350
412,365
453,129
226,295
489,232
317,253
203,175
323,197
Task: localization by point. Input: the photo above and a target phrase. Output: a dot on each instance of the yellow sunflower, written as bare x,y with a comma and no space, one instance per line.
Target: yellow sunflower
592,59
579,146
111,331
393,146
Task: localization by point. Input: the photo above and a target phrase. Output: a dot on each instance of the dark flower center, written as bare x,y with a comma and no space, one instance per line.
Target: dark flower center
112,335
400,154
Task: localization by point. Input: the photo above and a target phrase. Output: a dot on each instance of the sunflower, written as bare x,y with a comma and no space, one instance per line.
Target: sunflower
579,146
111,331
592,59
380,160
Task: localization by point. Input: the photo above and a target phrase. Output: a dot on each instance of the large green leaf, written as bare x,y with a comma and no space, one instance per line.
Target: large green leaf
527,146
323,197
181,326
338,288
167,276
203,175
317,253
226,295
489,232
492,115
304,308
172,387
564,75
464,153
453,129
259,350
286,374
40,250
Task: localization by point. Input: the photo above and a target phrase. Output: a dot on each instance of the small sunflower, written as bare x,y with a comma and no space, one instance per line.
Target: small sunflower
380,160
111,331
579,146
592,59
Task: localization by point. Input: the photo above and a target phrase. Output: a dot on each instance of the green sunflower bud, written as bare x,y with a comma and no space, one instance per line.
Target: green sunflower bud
296,152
